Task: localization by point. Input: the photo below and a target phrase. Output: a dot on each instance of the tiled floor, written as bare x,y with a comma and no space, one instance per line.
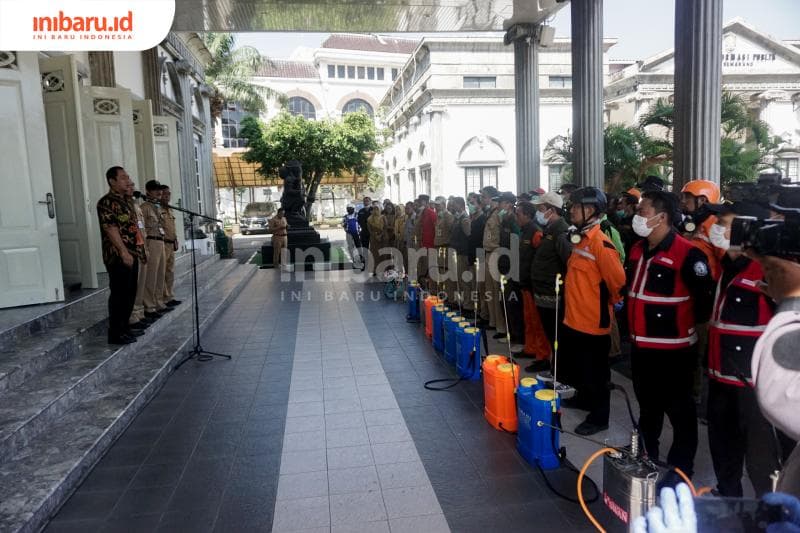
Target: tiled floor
364,473
321,423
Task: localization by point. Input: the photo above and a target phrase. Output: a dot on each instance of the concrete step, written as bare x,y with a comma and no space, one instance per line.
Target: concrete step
55,315
56,336
36,478
29,408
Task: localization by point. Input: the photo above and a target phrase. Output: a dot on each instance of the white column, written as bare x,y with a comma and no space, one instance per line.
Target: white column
698,90
587,91
526,102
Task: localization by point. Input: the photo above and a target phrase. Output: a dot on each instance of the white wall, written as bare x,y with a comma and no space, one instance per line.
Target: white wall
128,69
463,122
554,119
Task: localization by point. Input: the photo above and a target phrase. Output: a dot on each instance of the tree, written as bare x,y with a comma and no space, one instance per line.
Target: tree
746,145
629,154
230,73
322,146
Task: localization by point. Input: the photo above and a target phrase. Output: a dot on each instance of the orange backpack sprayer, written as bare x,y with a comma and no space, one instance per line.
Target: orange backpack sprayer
501,377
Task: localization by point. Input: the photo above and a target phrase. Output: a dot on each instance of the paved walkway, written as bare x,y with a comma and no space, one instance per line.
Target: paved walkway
321,423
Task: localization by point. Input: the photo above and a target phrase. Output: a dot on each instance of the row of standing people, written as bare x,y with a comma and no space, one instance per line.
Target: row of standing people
662,270
139,242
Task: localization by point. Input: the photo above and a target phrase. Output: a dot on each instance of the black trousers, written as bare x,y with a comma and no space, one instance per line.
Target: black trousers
122,295
663,381
514,312
583,363
548,317
739,436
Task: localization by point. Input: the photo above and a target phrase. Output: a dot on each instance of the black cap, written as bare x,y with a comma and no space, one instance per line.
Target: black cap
567,188
506,197
525,196
490,191
651,183
152,185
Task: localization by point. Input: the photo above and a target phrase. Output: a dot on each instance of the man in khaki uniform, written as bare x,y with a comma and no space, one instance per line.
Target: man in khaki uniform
278,226
137,319
170,247
156,265
459,249
491,242
441,240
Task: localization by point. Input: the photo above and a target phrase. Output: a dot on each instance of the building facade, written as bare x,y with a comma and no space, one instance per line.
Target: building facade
451,114
69,117
348,72
764,71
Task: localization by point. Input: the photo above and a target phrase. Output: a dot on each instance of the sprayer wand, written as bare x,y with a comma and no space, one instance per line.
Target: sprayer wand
503,281
555,336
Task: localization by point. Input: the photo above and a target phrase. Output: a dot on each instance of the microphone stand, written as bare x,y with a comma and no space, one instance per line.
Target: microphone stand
197,352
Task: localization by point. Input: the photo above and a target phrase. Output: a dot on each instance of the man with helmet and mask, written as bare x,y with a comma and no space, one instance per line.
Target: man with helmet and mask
738,434
592,286
669,292
696,197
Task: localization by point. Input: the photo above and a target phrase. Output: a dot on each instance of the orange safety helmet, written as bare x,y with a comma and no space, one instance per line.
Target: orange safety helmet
706,188
633,191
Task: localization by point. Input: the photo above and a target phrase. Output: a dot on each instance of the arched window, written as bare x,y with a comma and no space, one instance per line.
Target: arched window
357,104
297,105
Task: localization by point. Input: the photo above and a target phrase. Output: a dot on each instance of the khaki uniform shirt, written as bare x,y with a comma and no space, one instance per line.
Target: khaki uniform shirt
491,232
399,228
168,220
444,225
153,223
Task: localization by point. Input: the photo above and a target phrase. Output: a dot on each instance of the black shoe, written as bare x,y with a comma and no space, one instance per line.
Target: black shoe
499,335
586,428
121,339
173,303
142,325
134,332
539,366
152,316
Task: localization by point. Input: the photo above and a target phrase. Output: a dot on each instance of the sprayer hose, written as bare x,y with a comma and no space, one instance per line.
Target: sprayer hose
581,474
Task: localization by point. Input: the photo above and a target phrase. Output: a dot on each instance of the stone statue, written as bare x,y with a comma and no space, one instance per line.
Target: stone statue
293,199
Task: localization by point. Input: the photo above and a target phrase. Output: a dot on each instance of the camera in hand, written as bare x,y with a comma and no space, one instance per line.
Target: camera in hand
764,191
778,237
736,515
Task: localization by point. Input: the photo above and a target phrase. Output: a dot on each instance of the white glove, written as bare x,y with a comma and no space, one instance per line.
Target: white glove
675,515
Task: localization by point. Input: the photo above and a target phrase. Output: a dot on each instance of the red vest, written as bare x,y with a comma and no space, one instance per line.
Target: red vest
660,309
741,313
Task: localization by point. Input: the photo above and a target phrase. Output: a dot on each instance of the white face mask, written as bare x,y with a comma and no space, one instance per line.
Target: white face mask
541,219
717,237
640,226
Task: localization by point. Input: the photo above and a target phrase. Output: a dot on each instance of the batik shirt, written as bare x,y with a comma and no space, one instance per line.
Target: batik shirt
118,211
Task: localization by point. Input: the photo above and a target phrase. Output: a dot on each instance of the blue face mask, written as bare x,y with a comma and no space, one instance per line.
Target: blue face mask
541,219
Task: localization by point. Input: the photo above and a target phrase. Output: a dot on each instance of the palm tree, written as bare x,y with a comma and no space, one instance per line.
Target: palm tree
629,155
230,74
746,145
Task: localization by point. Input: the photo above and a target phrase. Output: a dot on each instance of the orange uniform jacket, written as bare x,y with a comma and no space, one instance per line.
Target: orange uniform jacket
593,283
700,238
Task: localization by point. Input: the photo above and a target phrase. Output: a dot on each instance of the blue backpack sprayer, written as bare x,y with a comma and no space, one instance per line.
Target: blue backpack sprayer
461,345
